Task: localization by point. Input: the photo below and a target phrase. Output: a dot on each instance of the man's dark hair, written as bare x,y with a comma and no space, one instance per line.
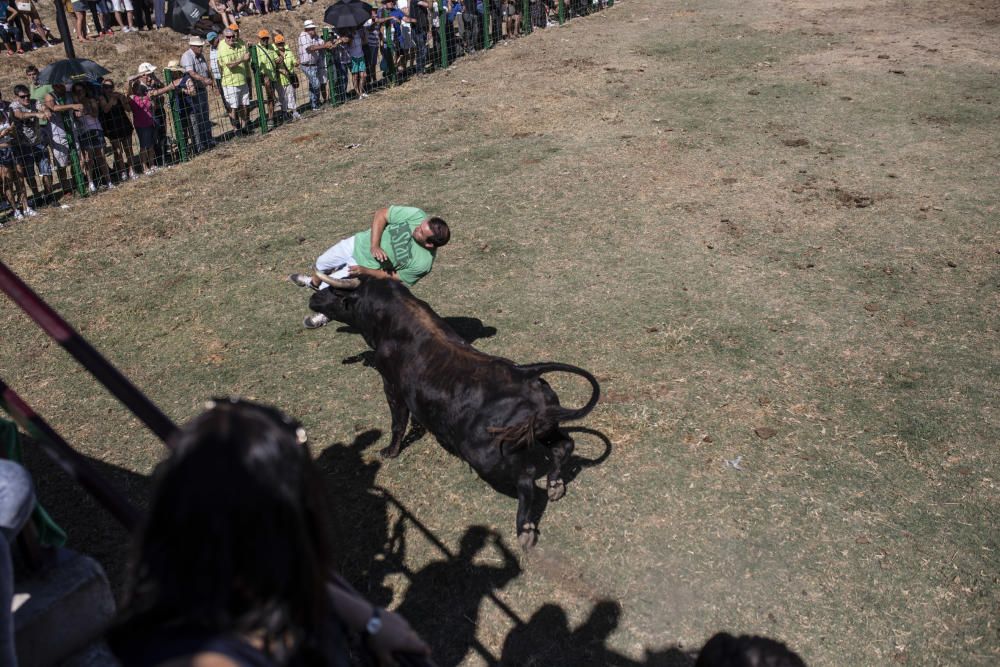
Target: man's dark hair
440,234
20,89
724,650
30,69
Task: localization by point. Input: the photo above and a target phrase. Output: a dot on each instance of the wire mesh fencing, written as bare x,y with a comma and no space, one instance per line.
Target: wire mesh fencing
59,142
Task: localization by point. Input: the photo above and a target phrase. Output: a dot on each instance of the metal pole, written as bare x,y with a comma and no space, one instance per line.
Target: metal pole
71,461
173,96
562,12
526,17
487,24
64,32
255,72
71,341
443,33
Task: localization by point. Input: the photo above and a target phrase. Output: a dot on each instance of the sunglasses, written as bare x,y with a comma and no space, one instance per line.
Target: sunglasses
23,96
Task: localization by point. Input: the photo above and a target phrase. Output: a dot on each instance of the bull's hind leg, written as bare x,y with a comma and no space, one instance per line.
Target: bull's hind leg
527,531
400,418
561,447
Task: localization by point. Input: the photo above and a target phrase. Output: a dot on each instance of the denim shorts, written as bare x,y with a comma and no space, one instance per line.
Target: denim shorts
91,139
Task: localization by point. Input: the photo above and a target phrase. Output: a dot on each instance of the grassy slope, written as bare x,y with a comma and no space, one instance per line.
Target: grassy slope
677,214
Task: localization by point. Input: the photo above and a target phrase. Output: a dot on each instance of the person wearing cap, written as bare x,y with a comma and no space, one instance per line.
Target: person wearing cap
194,64
401,245
234,59
212,42
285,65
267,65
312,57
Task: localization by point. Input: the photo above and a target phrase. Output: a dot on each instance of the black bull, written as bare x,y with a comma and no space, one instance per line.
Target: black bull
486,410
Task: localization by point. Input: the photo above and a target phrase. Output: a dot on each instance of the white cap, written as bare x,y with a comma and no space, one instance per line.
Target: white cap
147,68
309,24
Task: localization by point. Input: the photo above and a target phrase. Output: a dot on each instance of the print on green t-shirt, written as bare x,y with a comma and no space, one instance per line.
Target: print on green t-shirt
411,260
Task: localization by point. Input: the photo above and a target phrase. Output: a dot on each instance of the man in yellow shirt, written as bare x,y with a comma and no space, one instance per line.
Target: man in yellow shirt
285,64
234,63
267,65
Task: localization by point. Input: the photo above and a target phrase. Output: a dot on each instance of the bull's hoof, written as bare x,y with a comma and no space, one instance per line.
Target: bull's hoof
557,489
528,536
389,452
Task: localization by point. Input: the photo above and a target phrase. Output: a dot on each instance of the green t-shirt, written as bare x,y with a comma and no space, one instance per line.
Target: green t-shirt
411,260
236,75
38,94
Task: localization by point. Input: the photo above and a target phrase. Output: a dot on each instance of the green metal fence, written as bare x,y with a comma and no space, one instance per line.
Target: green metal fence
191,117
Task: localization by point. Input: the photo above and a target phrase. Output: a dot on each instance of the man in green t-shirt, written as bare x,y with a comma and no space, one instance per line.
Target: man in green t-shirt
400,245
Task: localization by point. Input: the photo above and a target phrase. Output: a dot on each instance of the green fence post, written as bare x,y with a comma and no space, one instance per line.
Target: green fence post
258,89
392,52
168,77
443,33
611,3
331,70
487,37
526,17
562,12
74,156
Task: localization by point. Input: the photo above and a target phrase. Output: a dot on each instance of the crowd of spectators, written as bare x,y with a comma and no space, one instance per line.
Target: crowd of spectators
57,140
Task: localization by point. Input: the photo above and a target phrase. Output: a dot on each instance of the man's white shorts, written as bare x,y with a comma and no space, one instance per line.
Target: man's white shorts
237,96
122,5
341,255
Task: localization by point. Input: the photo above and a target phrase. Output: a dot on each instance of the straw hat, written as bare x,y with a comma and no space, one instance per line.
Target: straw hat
173,65
147,68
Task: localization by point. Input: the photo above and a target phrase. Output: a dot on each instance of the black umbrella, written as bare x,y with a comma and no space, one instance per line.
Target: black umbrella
70,70
182,15
347,13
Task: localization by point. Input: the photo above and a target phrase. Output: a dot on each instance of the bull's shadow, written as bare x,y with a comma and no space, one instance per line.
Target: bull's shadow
469,328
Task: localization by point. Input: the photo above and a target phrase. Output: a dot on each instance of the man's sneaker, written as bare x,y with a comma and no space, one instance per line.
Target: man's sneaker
18,215
302,280
315,321
30,212
91,187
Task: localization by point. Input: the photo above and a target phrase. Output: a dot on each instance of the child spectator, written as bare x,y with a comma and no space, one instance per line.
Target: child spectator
90,138
13,187
115,109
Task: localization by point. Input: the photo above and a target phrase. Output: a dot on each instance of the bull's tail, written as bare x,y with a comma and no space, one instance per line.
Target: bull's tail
559,413
520,436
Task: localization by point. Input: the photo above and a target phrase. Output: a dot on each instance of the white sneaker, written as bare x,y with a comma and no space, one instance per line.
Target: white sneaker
18,215
30,212
302,280
132,175
91,187
112,186
315,321
296,115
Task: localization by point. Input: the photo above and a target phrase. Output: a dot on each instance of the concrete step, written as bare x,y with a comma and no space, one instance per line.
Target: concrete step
61,611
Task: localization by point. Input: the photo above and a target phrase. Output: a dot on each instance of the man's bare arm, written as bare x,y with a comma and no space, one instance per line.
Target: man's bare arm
379,222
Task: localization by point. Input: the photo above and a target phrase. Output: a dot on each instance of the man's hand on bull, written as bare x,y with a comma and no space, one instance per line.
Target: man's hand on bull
379,254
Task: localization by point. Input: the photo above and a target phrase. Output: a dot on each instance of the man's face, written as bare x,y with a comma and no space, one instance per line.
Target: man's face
422,233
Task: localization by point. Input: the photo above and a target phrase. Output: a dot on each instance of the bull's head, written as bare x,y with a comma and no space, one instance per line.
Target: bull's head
337,304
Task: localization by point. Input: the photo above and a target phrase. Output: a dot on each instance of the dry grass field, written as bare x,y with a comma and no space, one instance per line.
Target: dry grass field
769,228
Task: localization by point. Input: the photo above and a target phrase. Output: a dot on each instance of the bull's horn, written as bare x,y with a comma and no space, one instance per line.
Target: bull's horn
339,283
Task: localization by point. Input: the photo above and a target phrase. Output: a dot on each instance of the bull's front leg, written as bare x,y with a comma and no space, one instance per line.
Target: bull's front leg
527,531
400,418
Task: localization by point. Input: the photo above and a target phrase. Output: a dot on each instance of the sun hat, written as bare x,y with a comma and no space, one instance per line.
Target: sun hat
279,39
147,68
309,23
173,64
195,40
210,36
262,33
